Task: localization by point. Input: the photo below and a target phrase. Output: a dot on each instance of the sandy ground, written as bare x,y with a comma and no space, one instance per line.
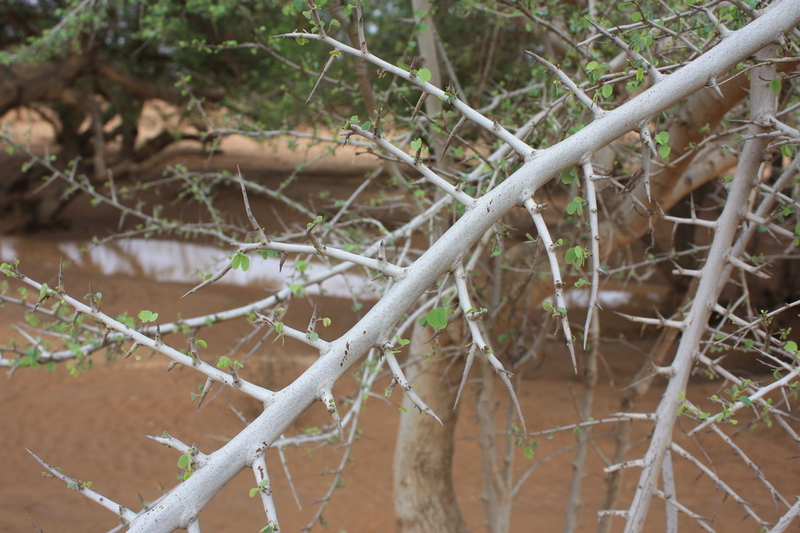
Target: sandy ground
94,427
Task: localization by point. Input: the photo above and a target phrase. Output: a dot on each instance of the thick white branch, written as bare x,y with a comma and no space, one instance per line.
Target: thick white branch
285,406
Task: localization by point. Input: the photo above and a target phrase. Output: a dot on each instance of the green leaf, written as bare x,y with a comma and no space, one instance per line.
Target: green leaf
790,346
401,341
746,401
184,461
607,91
313,336
224,362
568,177
437,317
416,144
528,453
775,85
424,75
147,316
245,263
236,260
575,206
403,409
662,138
201,343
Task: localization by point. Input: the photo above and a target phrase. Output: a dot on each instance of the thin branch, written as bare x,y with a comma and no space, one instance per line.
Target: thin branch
491,126
560,310
83,487
264,487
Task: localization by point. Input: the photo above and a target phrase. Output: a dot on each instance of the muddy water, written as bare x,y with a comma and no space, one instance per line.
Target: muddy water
170,261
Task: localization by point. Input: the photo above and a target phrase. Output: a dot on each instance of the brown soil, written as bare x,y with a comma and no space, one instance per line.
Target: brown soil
93,426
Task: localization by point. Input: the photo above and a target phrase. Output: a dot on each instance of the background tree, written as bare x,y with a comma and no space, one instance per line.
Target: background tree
496,144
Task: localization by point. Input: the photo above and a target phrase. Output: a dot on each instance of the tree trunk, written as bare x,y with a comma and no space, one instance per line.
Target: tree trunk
424,498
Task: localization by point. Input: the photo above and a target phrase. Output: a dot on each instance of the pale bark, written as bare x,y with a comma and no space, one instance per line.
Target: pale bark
717,271
181,507
496,486
589,377
424,498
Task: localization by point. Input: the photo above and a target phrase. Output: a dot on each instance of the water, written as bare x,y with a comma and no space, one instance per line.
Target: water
169,261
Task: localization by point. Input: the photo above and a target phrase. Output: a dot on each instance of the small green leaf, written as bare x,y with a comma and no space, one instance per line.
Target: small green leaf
416,144
607,91
775,85
528,453
791,346
437,317
201,343
403,409
245,263
568,177
147,316
746,401
313,336
236,260
424,75
184,461
224,362
254,491
575,206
